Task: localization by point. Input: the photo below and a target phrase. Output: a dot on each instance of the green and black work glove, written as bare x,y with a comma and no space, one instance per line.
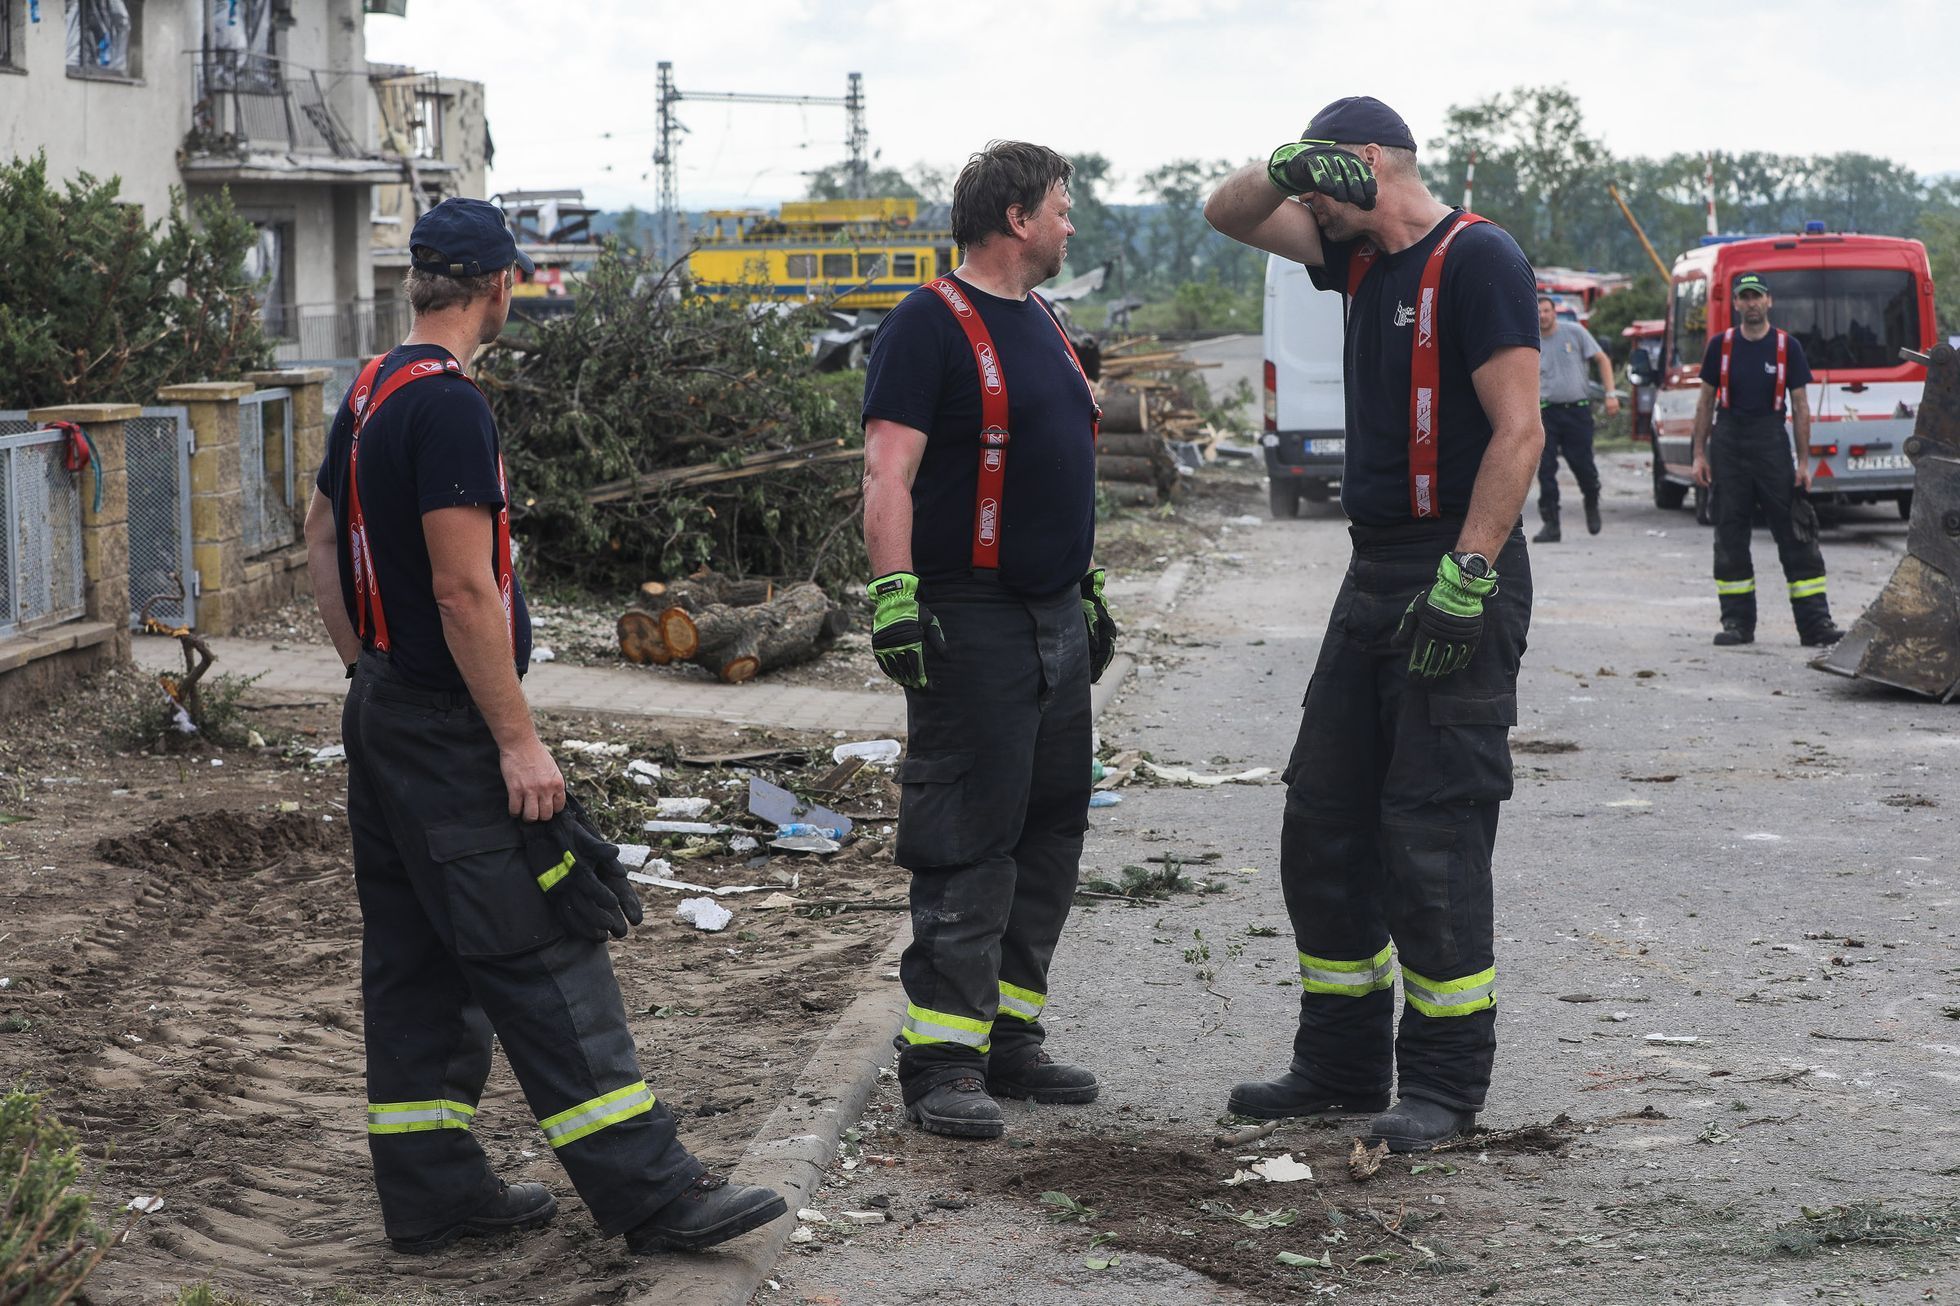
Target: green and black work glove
1316,167
1444,622
1102,628
581,875
901,627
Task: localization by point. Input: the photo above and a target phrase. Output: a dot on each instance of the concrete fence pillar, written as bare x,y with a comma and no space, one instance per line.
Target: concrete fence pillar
105,529
217,520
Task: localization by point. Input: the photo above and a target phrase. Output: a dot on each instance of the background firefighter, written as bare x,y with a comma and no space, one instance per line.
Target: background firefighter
1742,449
1403,753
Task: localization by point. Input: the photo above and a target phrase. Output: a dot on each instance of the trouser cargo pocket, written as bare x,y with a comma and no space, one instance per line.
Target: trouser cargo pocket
496,908
935,825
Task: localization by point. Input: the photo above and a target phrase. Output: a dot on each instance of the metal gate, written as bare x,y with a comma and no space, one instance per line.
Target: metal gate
41,576
159,446
265,472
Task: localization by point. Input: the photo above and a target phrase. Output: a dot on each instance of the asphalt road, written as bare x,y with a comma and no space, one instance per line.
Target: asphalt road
1718,845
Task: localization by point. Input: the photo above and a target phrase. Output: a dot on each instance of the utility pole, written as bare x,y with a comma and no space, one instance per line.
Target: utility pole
666,161
855,136
667,219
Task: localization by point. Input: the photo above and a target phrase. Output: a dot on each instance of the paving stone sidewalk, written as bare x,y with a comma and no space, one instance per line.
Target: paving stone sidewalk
313,670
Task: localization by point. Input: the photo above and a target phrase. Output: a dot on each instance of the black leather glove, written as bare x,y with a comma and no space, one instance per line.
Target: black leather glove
581,875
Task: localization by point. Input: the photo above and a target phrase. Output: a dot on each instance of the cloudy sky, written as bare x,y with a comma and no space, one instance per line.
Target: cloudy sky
571,85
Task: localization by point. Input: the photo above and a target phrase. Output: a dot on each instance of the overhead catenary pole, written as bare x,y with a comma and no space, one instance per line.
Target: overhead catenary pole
1708,190
857,166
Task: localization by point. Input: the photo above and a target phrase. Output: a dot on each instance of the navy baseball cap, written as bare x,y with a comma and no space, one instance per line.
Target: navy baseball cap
464,238
1360,120
1750,281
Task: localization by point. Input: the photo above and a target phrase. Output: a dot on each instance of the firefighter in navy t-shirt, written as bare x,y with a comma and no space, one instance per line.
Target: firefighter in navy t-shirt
980,522
1403,754
1742,449
486,900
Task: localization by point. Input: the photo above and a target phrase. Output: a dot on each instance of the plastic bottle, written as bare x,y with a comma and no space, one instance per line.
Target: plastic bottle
797,829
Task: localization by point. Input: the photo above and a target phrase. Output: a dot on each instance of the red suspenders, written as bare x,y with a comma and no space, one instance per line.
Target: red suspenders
1425,364
1782,369
993,418
365,401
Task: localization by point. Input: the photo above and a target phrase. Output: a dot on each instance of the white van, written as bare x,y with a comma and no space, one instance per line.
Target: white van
1306,409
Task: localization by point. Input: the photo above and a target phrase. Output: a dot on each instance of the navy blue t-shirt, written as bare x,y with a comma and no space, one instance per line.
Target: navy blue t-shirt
1752,372
922,374
1489,301
432,445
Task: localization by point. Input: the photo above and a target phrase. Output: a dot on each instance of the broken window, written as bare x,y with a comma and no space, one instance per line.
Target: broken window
238,45
104,37
269,267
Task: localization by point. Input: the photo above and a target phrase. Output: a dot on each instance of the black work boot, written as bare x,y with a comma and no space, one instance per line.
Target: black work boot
1041,1078
1821,636
1293,1094
1731,634
1548,533
1417,1124
959,1108
513,1209
1592,516
709,1211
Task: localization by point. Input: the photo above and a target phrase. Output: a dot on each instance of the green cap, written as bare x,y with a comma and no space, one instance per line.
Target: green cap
1750,281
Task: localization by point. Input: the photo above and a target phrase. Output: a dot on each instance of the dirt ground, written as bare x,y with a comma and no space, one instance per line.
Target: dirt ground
180,947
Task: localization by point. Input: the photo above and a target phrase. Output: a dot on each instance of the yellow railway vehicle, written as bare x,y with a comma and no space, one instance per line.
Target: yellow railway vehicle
876,250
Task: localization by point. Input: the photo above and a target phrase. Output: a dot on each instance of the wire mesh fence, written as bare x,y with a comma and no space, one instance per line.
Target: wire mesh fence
43,576
268,520
158,447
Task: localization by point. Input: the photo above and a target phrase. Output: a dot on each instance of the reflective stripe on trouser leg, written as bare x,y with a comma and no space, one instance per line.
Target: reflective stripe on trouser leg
418,1117
923,1026
1020,1003
1803,589
1348,979
1745,586
1457,997
591,1116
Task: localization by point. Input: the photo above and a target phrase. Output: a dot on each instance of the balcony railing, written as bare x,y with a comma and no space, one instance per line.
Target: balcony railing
248,101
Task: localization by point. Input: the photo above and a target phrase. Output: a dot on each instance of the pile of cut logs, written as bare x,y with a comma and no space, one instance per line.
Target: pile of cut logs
736,629
1142,411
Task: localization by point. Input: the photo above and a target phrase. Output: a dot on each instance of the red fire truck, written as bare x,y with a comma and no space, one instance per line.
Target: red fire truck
1853,302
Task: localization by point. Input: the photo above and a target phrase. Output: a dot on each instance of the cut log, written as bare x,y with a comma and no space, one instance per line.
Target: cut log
1124,410
739,643
1114,467
1129,495
706,587
1130,446
640,639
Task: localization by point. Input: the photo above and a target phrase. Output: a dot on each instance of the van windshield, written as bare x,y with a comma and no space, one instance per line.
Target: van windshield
1847,317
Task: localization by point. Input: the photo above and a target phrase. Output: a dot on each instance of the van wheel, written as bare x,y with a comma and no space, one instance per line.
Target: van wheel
1666,493
1314,491
1905,506
1284,498
1704,505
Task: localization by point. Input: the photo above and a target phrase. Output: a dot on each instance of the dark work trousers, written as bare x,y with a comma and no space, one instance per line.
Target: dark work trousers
458,942
994,803
1391,816
1751,465
1568,432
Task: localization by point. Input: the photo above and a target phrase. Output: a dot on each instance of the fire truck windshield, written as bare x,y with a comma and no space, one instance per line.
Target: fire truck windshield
1847,317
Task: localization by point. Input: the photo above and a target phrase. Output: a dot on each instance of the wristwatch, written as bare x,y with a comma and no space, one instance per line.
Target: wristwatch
1473,565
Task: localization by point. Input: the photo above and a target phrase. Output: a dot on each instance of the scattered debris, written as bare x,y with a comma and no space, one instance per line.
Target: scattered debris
1185,775
593,748
1364,1162
1674,1040
642,772
686,809
1240,1137
1064,1209
779,807
806,843
1282,1169
684,827
1543,746
144,1205
873,752
703,914
1105,798
1852,1038
1865,1222
328,755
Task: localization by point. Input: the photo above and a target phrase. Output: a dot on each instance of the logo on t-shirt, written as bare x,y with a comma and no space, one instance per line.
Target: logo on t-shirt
1404,314
1769,369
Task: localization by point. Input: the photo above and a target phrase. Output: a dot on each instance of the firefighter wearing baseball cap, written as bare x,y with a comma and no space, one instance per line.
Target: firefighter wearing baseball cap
1403,756
486,899
1750,374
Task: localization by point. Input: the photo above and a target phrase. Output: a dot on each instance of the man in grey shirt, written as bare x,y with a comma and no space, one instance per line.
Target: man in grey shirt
1563,353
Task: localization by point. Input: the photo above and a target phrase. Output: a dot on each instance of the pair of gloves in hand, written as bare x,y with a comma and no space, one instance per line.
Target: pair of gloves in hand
902,627
581,875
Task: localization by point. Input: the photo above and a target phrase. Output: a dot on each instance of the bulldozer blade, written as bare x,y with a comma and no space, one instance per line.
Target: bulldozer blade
1909,637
